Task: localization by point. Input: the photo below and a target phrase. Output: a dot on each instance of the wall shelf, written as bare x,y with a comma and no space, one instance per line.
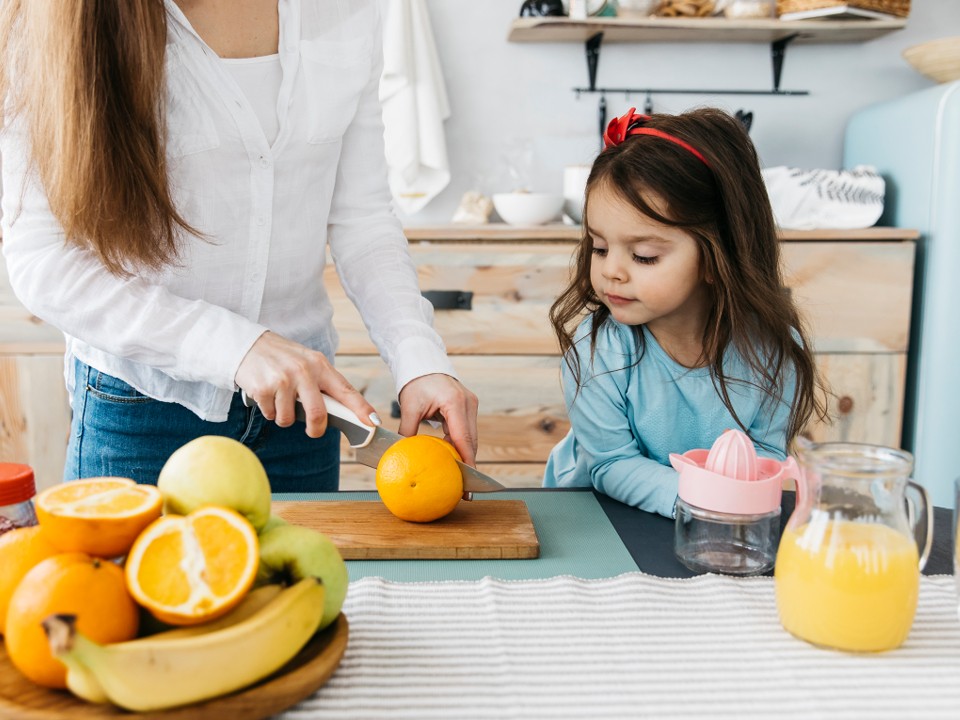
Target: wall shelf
560,232
594,31
655,29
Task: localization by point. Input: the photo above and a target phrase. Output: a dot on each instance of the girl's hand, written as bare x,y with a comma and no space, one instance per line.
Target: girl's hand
441,397
276,372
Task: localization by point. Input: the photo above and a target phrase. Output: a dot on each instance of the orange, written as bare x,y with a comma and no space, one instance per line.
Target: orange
187,569
98,516
75,583
20,550
418,478
447,445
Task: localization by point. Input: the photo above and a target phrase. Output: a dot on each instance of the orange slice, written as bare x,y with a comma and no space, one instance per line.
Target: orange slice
187,569
98,516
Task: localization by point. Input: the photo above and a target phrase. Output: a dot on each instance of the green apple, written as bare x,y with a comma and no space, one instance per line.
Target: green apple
215,470
289,553
273,522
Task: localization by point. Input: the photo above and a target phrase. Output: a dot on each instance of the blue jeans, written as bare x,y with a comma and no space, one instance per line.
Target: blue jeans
117,431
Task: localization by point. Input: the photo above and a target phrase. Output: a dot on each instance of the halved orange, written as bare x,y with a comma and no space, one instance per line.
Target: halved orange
97,516
187,569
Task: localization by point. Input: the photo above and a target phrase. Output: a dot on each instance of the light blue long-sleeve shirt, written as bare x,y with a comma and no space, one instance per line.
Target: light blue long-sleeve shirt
629,416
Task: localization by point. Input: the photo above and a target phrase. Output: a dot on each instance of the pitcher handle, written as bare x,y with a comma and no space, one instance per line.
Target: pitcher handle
926,542
791,471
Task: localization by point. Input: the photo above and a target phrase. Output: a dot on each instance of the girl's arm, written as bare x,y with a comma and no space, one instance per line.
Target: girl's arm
611,454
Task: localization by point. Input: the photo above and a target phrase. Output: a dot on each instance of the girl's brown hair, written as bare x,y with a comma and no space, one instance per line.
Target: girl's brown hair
86,78
723,204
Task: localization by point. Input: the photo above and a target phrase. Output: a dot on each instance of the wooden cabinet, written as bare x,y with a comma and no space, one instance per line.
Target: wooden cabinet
854,288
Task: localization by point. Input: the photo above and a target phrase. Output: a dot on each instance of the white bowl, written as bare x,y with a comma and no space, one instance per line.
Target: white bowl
520,208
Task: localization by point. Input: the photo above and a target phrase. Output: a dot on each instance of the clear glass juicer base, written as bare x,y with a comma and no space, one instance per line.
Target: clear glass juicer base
707,541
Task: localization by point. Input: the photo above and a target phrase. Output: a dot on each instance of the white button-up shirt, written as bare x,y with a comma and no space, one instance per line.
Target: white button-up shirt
268,212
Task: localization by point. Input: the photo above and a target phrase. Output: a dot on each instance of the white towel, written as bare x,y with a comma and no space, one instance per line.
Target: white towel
414,106
628,647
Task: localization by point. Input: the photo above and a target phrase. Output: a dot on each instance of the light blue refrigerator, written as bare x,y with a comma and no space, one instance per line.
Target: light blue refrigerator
914,142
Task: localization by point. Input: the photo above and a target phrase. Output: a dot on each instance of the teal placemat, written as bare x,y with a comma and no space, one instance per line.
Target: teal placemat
575,539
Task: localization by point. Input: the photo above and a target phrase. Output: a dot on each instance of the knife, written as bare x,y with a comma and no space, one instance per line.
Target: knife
370,442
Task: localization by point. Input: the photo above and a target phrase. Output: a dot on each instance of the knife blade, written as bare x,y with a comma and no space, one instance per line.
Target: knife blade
370,442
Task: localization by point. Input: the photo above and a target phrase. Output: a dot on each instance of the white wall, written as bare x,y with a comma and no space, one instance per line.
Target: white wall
504,95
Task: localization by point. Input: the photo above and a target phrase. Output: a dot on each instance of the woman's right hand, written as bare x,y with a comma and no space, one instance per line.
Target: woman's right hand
276,372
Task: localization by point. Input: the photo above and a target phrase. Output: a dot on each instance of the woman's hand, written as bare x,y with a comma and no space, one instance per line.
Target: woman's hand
276,372
441,397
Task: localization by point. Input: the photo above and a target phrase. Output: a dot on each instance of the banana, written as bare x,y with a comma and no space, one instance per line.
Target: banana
252,603
84,684
154,673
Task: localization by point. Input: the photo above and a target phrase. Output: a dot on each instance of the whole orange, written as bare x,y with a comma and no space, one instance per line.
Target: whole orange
418,479
92,589
20,550
447,445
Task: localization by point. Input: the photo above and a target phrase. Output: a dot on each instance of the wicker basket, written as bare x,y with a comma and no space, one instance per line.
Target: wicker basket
900,8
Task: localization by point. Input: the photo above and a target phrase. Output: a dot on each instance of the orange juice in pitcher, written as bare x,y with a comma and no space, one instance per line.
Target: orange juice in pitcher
848,568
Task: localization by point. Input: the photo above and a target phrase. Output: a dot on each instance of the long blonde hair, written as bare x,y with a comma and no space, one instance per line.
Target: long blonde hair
86,77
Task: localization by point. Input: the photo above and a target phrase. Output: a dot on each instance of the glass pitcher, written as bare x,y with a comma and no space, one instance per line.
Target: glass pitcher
847,574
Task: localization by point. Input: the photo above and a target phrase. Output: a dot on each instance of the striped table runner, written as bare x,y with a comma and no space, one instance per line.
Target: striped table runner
632,646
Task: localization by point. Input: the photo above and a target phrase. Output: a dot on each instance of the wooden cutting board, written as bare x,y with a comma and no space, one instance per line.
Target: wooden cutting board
475,530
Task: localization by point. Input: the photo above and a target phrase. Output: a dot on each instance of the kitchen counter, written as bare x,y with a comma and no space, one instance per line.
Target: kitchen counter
586,534
621,645
493,285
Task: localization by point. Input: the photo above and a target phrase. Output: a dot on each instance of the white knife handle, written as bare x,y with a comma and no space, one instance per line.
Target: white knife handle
335,408
338,409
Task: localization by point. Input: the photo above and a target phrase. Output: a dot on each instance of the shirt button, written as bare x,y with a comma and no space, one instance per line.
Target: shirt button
261,220
264,162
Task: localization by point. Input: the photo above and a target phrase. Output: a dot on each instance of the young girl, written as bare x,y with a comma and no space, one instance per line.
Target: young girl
688,328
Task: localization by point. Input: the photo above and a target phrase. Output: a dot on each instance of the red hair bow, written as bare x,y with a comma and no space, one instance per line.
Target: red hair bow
618,128
633,123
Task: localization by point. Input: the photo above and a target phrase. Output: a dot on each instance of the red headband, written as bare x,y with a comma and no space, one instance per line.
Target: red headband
632,123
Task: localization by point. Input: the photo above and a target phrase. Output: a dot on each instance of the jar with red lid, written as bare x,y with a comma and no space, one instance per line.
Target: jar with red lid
17,489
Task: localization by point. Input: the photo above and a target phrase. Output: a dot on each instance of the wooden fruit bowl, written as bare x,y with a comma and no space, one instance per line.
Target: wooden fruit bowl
298,679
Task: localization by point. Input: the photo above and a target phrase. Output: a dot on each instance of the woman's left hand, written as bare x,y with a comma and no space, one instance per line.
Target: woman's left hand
441,397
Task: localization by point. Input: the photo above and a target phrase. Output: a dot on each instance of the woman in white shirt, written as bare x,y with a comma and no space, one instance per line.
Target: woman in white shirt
173,174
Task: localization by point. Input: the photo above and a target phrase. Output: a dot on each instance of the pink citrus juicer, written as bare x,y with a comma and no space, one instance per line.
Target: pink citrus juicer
730,478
